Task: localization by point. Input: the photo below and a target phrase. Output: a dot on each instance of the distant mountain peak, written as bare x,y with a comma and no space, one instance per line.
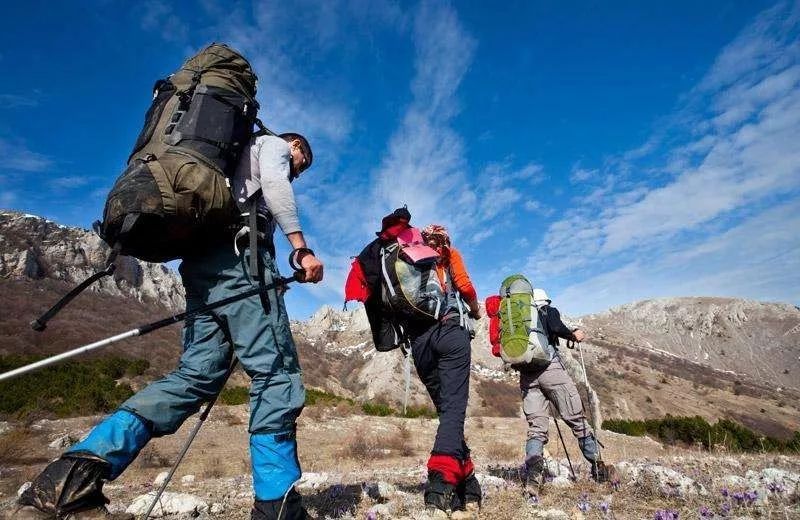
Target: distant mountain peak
33,247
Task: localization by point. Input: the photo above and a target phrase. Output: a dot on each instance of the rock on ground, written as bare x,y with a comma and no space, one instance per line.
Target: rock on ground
668,481
168,504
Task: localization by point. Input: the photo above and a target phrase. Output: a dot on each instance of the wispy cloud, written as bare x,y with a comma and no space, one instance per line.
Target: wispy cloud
741,156
7,199
17,101
16,156
68,182
158,16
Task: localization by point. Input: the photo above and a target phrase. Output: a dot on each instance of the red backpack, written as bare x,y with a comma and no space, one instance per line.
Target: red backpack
493,311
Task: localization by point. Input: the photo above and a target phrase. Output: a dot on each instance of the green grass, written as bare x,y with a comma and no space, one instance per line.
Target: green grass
234,395
68,389
696,430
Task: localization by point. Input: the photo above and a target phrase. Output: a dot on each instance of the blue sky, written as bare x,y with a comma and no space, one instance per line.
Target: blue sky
612,151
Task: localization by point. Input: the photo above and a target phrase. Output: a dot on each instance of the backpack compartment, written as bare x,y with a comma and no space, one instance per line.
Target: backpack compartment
175,200
411,289
523,339
215,127
163,97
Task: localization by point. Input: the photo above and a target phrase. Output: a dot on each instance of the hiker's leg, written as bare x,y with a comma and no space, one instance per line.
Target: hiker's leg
266,349
535,408
560,388
426,364
161,407
452,346
75,480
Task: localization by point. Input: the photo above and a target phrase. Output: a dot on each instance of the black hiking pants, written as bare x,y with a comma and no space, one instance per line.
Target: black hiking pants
442,356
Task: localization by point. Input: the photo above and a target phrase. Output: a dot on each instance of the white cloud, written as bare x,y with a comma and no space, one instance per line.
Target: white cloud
16,156
739,153
7,199
425,165
758,258
580,175
17,101
159,16
68,182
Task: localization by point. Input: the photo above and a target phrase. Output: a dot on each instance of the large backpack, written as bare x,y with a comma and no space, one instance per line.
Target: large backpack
516,330
410,287
176,186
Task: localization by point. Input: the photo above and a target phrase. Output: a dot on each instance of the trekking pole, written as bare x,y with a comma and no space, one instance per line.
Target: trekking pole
558,429
192,435
589,393
150,327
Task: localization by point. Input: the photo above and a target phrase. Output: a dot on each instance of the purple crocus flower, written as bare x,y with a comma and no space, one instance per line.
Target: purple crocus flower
372,515
666,514
604,507
533,500
726,508
775,487
705,512
751,496
724,492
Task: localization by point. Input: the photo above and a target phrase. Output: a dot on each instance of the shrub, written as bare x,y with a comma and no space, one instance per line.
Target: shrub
379,409
73,388
413,412
234,395
322,398
696,430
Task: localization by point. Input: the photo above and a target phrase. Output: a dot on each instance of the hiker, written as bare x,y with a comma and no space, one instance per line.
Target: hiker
261,341
543,380
420,304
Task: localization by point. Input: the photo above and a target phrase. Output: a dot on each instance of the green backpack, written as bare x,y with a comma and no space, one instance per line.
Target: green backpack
523,337
176,189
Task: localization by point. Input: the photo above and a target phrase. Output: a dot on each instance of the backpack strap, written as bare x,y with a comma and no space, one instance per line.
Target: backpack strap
40,323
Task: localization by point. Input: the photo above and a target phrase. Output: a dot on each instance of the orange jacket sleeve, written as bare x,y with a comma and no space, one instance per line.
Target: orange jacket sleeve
460,277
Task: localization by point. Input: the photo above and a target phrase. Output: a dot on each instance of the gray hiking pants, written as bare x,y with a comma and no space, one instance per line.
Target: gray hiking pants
540,387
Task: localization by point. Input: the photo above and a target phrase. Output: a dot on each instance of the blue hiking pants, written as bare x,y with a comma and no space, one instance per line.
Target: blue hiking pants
266,350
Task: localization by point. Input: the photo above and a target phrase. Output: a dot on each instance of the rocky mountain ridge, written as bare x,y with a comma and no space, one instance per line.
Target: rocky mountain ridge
35,248
683,356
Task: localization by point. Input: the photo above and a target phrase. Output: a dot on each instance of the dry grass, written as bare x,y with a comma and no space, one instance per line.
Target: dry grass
503,451
362,446
214,468
13,446
400,442
150,457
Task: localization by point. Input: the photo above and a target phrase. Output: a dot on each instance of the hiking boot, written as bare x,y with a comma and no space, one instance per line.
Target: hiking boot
438,495
534,474
69,484
279,509
466,501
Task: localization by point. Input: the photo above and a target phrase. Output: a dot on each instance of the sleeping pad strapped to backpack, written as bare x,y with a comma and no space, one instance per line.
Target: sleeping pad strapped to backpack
176,186
516,331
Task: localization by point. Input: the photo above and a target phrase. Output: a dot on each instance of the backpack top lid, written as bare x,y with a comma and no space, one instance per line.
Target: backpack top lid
412,245
515,284
221,66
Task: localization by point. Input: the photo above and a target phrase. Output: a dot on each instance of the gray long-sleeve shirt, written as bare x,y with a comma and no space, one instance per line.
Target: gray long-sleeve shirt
265,166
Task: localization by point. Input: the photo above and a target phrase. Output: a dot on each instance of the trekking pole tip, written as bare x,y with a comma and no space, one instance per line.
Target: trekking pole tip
38,326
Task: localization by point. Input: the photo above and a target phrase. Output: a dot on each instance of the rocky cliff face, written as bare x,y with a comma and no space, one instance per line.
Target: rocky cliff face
754,339
35,248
